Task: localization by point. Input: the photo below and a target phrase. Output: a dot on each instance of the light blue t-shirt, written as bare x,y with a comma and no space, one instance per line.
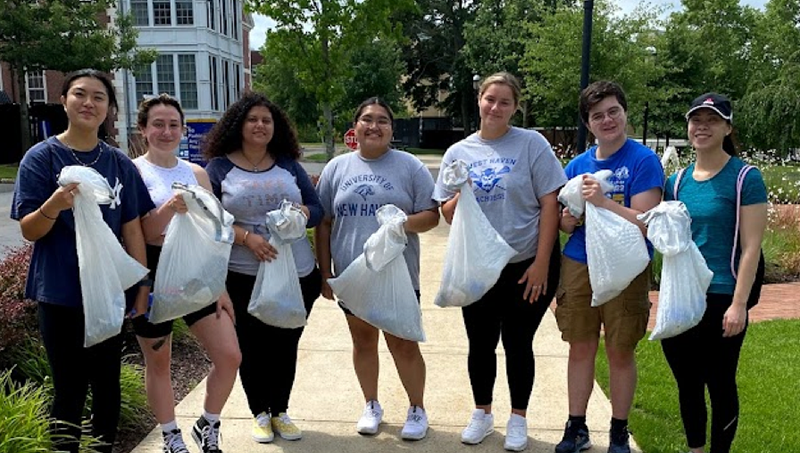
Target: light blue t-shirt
352,188
712,206
509,175
636,169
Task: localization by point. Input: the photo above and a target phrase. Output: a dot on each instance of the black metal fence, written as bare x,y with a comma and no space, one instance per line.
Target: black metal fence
45,120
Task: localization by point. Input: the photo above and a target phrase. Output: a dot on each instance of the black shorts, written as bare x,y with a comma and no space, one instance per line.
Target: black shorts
350,313
144,328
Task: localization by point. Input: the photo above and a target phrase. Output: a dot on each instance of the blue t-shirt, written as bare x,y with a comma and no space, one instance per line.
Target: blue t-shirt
53,274
712,206
636,169
249,195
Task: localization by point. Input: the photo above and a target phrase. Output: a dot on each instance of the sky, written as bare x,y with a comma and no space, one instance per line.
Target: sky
262,24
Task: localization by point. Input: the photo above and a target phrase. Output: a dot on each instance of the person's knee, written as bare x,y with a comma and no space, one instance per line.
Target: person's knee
403,350
582,351
228,358
620,358
157,360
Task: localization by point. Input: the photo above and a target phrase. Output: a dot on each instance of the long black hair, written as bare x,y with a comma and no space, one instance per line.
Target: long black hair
226,136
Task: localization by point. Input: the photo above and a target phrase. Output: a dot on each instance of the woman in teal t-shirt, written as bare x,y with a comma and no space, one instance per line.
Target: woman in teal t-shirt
708,354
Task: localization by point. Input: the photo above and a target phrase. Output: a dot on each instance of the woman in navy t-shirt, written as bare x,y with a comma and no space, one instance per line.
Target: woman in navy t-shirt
45,215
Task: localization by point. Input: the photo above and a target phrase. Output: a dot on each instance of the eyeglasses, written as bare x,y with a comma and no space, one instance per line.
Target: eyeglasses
613,113
381,122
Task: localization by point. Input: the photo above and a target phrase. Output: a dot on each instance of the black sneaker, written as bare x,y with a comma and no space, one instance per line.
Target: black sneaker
173,442
206,435
619,442
576,439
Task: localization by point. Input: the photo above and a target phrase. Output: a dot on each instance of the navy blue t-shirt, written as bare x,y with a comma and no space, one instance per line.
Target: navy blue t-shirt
53,274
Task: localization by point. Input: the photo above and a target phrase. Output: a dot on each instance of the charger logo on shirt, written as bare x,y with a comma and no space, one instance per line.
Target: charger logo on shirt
364,190
488,177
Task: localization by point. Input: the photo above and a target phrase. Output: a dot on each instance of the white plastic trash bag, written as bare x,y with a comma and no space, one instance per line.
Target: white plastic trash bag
378,289
685,277
277,298
194,258
571,194
616,252
105,269
476,253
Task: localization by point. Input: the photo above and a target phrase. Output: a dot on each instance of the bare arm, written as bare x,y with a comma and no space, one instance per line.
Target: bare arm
536,276
753,222
322,245
449,208
38,223
422,221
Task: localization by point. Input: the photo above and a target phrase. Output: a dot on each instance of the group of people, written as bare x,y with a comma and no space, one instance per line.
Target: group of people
253,154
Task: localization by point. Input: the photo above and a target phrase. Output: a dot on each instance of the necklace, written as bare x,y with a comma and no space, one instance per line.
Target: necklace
255,165
75,156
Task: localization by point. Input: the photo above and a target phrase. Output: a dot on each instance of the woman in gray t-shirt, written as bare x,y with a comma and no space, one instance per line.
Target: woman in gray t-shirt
515,177
352,187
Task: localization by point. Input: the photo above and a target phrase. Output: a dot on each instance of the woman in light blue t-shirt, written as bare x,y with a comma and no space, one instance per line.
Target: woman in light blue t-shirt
707,355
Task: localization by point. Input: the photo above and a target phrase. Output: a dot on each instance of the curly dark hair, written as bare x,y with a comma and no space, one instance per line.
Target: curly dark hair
226,136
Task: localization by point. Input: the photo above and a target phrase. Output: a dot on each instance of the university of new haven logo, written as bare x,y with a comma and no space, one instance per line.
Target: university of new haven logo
365,190
489,177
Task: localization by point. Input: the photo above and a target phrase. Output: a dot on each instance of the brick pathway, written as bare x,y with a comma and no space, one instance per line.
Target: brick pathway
778,301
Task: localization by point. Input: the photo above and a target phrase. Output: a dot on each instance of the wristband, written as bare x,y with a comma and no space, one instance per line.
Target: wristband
148,282
45,215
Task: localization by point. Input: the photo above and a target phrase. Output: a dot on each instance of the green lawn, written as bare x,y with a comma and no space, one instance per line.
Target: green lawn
439,152
319,157
769,385
8,171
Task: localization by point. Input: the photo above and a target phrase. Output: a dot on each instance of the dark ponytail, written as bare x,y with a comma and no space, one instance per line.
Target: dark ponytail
729,145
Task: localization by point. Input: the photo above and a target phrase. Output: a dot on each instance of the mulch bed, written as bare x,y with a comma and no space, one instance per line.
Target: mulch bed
190,365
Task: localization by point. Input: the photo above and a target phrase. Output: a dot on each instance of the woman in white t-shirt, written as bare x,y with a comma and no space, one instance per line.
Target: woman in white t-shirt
160,120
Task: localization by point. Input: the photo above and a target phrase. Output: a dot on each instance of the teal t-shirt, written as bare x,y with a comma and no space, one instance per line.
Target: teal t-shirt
712,206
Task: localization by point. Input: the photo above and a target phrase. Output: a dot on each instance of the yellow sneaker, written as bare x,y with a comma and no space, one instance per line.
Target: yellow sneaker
285,428
262,429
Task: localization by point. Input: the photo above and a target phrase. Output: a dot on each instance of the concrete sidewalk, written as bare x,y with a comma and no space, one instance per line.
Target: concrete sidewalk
327,402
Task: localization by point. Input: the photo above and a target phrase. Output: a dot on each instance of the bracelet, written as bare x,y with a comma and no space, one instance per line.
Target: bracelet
45,215
244,239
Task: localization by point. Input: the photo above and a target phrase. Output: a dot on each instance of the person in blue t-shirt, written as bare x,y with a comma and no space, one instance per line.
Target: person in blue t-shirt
638,181
43,209
707,355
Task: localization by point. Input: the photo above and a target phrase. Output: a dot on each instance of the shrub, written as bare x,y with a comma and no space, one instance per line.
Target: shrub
782,244
24,412
18,315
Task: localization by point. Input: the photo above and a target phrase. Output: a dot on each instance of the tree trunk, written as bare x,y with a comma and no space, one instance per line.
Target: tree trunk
24,119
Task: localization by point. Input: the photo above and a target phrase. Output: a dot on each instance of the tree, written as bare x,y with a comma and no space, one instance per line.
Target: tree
552,60
770,110
320,32
434,58
64,35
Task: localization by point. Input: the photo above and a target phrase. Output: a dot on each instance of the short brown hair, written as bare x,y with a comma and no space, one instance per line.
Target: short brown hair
147,104
502,78
596,92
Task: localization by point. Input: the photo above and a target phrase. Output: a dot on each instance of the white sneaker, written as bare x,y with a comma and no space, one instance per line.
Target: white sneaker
516,433
371,418
480,425
416,426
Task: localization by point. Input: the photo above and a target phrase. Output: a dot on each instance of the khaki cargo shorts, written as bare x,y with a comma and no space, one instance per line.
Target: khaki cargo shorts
624,318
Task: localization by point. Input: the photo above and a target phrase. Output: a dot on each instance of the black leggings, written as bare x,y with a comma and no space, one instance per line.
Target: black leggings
269,354
502,312
74,370
700,358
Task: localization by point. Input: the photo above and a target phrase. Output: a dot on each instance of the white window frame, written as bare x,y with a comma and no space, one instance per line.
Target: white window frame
43,88
180,81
